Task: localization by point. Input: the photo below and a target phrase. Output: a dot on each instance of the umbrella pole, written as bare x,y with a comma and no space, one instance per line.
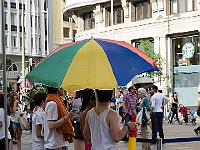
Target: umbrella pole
132,135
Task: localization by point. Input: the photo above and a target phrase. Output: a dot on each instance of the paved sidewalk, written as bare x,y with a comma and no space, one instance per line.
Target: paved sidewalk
170,130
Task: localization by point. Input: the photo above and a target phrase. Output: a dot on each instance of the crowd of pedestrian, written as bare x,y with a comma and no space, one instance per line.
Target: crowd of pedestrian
55,124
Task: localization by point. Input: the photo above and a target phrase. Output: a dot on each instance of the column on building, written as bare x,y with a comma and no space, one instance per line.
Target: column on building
154,9
9,27
80,23
34,3
126,8
18,23
98,17
42,26
28,28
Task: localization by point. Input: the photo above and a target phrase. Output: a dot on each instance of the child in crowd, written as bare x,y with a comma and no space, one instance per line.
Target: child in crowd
38,121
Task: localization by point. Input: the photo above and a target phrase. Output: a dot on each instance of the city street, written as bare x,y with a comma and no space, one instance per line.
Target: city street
170,130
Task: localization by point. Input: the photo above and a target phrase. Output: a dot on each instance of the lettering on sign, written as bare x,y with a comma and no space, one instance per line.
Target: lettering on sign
13,74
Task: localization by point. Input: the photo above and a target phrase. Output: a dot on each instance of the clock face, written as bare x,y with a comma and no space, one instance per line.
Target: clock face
188,50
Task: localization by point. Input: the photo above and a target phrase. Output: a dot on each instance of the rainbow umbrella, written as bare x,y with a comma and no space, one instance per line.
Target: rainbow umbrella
92,63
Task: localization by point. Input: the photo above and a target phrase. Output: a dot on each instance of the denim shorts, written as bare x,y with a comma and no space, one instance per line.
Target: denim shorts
16,125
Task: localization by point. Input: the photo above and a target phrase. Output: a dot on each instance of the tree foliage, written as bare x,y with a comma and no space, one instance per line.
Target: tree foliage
147,48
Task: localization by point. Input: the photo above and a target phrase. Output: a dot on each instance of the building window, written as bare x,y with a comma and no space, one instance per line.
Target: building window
13,41
141,10
45,5
20,19
74,32
31,21
35,21
6,41
186,51
45,24
89,21
39,4
13,5
32,42
5,17
181,6
39,44
66,32
118,15
65,18
38,22
20,41
13,19
138,44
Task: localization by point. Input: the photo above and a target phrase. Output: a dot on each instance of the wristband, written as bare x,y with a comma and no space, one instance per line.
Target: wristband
128,127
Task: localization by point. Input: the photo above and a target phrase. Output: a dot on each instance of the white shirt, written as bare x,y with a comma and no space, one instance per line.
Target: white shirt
120,100
100,131
157,102
52,138
2,129
38,119
15,116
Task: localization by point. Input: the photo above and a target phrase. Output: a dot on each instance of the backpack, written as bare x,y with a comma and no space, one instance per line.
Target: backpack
144,117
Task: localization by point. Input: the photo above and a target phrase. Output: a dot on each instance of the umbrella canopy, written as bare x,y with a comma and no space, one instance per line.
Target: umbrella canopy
92,63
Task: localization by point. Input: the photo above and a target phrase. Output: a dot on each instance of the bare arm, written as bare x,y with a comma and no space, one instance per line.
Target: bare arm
86,130
82,120
114,125
166,101
38,130
1,124
54,124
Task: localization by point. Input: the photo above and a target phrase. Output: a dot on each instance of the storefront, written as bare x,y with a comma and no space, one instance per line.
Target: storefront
186,67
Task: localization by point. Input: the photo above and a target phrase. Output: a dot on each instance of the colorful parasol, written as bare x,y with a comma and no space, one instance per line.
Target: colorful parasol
92,63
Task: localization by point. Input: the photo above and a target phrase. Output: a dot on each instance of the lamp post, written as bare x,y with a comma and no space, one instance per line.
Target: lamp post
2,47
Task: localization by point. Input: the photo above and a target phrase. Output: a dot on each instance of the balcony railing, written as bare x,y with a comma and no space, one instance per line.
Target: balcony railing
61,41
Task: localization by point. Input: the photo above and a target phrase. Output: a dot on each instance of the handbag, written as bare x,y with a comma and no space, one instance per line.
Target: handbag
25,125
143,117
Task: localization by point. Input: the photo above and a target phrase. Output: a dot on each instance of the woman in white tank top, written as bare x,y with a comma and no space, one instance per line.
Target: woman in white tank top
15,114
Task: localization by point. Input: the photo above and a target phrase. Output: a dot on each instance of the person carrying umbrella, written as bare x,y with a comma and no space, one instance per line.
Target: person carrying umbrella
101,128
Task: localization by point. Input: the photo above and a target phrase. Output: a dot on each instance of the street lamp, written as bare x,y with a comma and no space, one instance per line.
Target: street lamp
2,47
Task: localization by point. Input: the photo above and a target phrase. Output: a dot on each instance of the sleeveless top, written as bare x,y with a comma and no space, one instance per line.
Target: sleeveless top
15,116
174,104
100,132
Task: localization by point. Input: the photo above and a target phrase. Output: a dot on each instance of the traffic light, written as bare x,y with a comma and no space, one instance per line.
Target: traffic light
30,62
